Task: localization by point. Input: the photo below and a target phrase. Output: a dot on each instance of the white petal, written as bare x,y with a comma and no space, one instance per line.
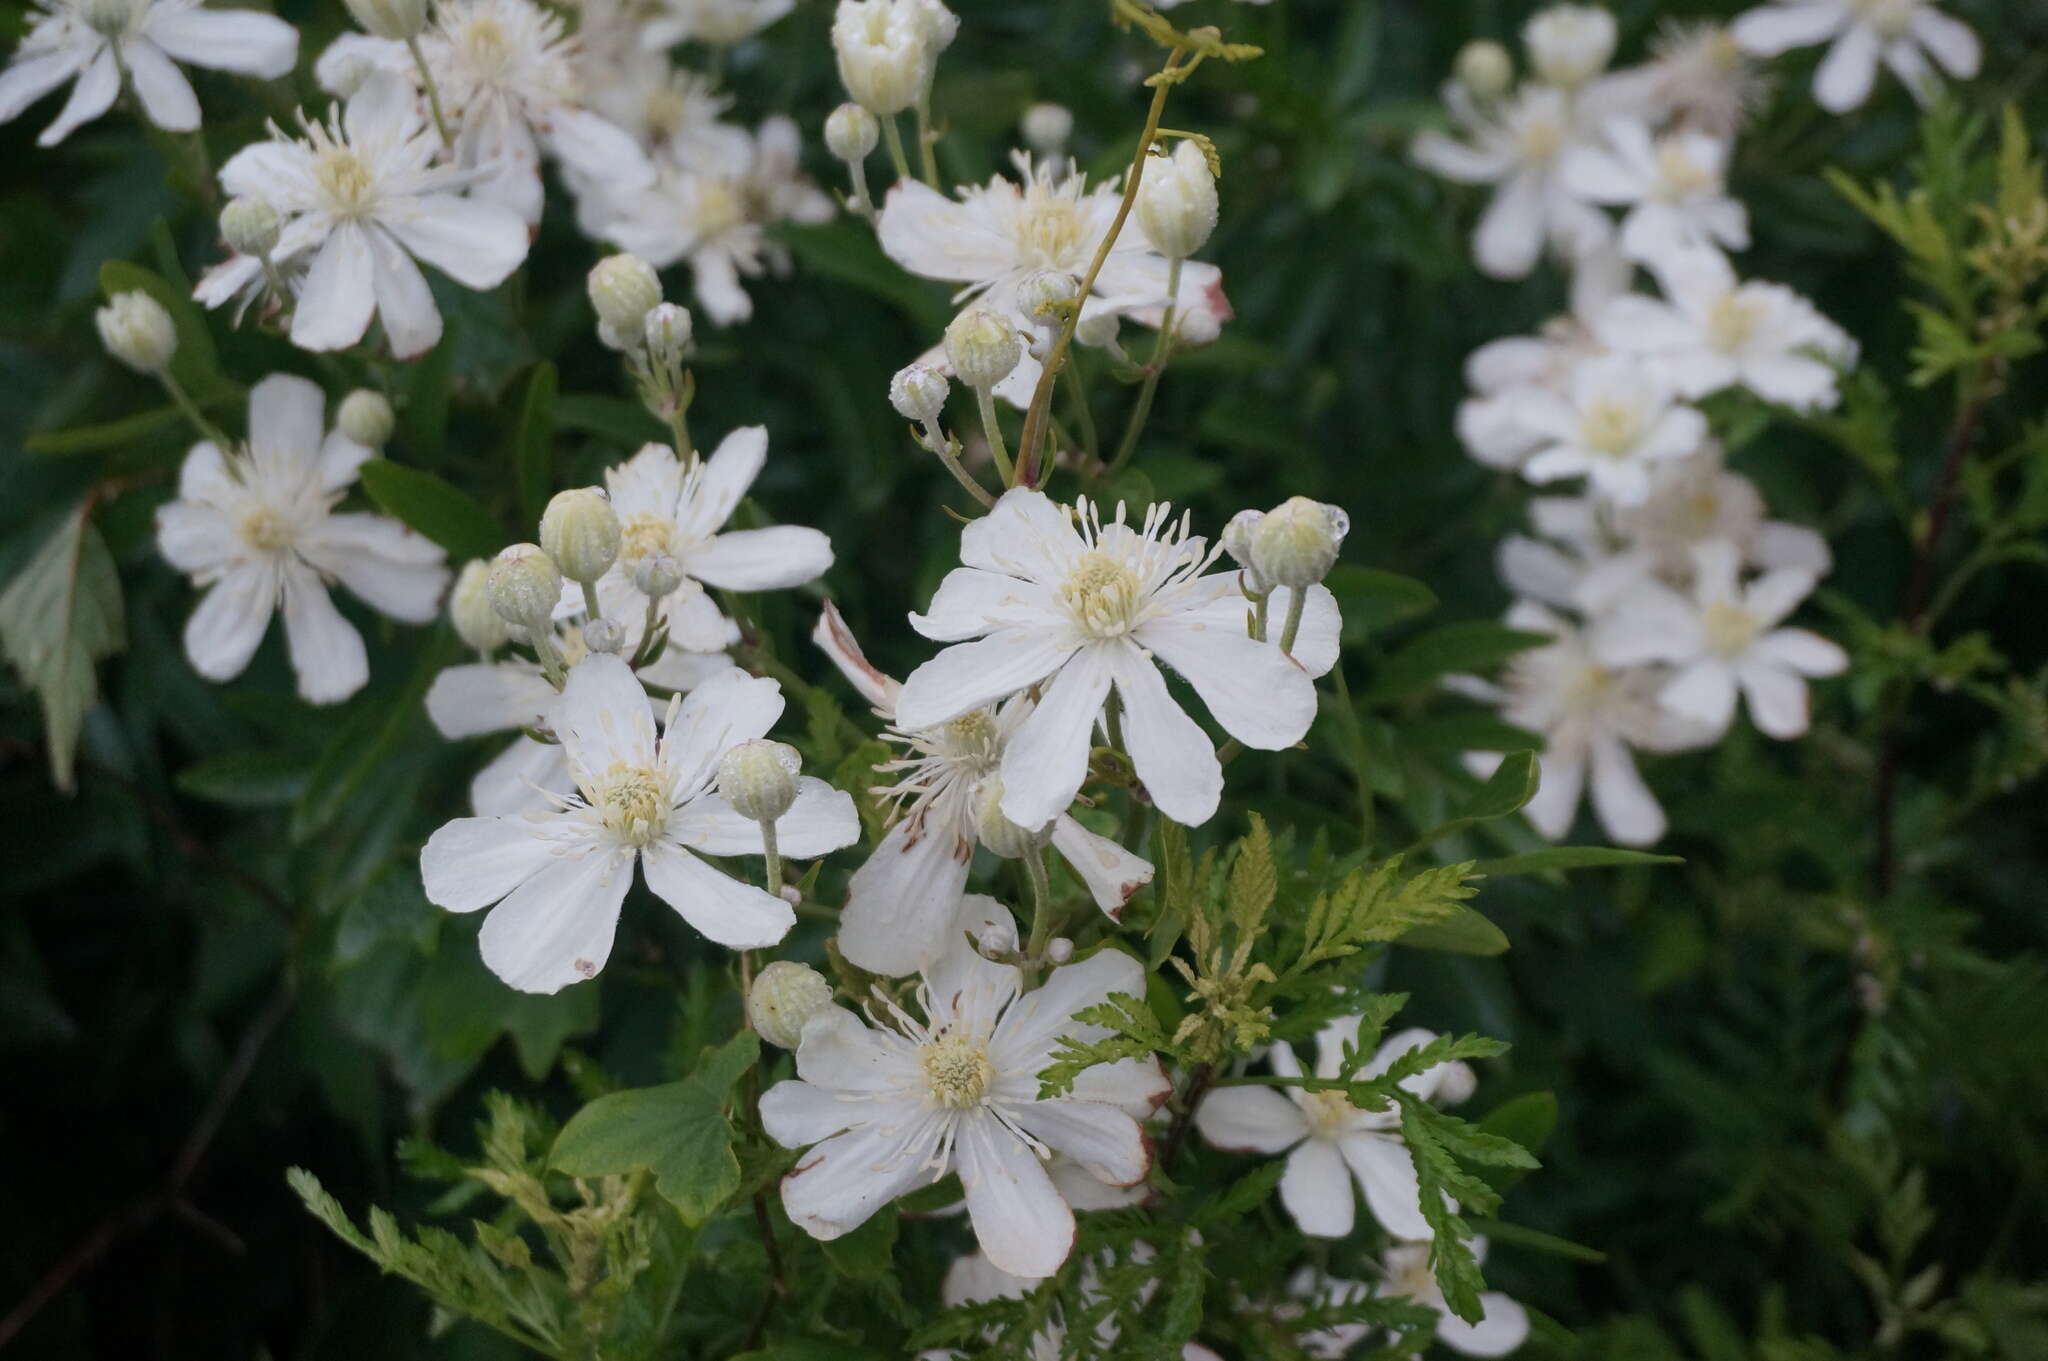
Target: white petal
1798,650
603,719
728,707
682,670
762,559
1503,1326
1386,1173
1777,700
902,901
1027,535
1455,160
1850,68
482,697
835,1187
1102,1139
1703,691
821,820
1019,1219
930,234
287,415
1137,1087
1316,1190
557,927
836,640
326,650
1637,323
736,915
1318,638
798,1114
1948,40
167,97
1779,27
599,147
1260,695
337,297
1046,758
1624,803
1777,593
471,863
1250,1120
1032,1027
971,602
1559,786
1111,873
840,1054
514,780
237,40
92,96
223,632
194,537
412,322
1599,175
392,568
969,675
1509,237
723,480
1170,751
29,78
476,244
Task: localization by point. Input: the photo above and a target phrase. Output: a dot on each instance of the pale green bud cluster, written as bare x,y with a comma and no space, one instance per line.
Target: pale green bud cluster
623,290
785,995
477,622
759,778
851,133
581,532
367,418
1177,201
983,347
524,588
137,330
1294,545
250,226
1485,69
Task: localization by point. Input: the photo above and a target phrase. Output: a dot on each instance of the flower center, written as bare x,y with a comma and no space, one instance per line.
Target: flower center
1587,688
630,797
485,48
1327,1112
958,1069
719,207
1048,231
1679,176
972,739
110,18
345,180
1705,508
1729,628
646,536
1890,18
1733,321
264,530
1611,427
1102,595
1541,139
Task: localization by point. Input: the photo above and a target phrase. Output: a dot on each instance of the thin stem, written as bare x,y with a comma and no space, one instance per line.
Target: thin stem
206,428
1296,599
1041,903
1259,617
857,172
894,138
772,853
928,163
949,454
590,605
985,402
1162,350
419,60
679,427
1084,418
1200,1078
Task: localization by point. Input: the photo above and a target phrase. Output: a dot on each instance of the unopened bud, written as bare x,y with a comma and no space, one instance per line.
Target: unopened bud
469,608
1569,44
1000,835
1059,950
667,329
1177,201
883,53
366,418
1041,291
1046,128
1237,541
137,330
983,347
603,635
524,587
996,940
657,575
1485,69
759,778
623,290
918,392
581,532
851,133
1455,1084
784,996
1296,544
397,20
250,226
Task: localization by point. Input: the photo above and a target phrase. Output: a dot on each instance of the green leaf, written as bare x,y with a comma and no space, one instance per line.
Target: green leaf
255,777
1528,1119
1570,858
196,365
867,1250
1464,932
610,417
1471,646
1501,1232
91,439
1512,784
533,450
679,1130
359,746
61,615
435,508
1372,600
846,251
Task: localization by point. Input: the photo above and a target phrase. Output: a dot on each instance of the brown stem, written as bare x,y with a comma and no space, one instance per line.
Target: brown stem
1184,1112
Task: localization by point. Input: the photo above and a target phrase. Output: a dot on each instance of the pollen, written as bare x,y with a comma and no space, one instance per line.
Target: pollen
1679,176
719,208
1048,230
1102,595
1541,139
958,1068
264,530
630,799
345,180
1732,322
646,536
486,50
1328,1113
972,738
1729,628
1612,428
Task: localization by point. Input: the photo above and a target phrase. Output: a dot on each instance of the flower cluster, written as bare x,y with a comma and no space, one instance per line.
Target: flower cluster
1660,583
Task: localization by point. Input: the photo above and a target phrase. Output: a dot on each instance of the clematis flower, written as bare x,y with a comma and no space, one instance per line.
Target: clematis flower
1613,423
1405,1273
902,900
1059,600
715,23
675,508
1722,640
363,197
1903,34
96,41
1712,331
994,236
1674,186
887,1107
557,878
256,526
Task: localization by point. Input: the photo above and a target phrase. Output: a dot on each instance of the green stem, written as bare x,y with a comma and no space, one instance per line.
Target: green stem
679,427
1296,599
1084,418
206,428
772,853
419,60
949,454
985,402
1259,617
590,605
928,163
894,137
1162,350
858,174
1041,904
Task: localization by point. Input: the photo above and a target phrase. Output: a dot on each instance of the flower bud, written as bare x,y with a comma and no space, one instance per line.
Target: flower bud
1296,544
656,575
1455,1084
250,226
581,532
1039,291
603,635
884,54
469,608
524,587
1237,541
851,133
1002,836
667,329
1059,950
983,347
1046,128
759,778
397,20
918,392
366,418
785,995
997,939
623,290
1569,44
137,330
1177,201
1485,69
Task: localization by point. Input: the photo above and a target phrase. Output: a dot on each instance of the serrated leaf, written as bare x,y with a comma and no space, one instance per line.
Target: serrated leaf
435,508
533,447
60,615
1253,880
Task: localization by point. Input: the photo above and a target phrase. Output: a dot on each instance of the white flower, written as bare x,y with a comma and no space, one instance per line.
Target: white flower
1675,186
363,197
1519,146
257,526
1569,44
716,23
888,1107
1713,331
995,236
1406,1274
668,507
1699,79
557,878
1059,600
1695,499
1613,423
888,50
1901,33
1332,1141
901,902
1722,640
1489,423
95,41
